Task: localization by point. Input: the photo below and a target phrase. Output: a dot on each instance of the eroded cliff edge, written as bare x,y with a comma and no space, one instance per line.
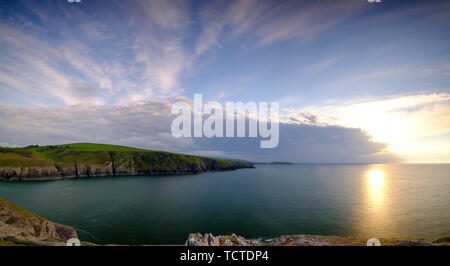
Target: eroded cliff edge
90,160
21,227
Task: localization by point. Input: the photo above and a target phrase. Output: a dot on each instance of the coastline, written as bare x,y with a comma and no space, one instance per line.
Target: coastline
92,160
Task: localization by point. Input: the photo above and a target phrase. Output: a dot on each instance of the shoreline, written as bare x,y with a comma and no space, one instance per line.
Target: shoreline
79,160
57,178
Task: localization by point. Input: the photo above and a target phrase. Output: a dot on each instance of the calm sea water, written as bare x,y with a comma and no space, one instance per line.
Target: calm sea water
269,201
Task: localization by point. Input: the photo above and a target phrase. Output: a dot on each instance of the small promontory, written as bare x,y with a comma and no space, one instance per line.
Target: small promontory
21,227
90,160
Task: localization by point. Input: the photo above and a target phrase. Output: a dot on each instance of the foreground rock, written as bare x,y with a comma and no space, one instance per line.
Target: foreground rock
21,227
301,240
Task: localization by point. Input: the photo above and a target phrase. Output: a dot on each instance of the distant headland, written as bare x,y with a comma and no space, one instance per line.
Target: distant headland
282,163
91,160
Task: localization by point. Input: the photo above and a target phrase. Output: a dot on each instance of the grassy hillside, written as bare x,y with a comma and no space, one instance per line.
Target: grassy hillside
90,159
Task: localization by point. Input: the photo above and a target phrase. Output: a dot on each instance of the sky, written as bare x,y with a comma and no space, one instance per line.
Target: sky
357,82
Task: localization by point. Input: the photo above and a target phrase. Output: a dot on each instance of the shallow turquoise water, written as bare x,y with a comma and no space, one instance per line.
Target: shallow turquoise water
271,200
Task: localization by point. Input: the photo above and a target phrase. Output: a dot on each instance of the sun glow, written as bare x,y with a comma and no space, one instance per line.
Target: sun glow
414,127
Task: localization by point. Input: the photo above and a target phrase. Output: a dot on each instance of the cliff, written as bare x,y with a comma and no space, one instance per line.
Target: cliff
90,160
21,227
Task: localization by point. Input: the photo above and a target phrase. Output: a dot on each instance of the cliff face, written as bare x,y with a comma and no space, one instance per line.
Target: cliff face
55,162
18,226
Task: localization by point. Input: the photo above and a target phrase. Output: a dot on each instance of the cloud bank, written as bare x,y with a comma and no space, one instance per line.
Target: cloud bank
148,126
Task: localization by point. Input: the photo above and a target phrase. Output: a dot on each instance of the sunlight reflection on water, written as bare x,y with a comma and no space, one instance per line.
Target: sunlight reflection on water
376,213
376,183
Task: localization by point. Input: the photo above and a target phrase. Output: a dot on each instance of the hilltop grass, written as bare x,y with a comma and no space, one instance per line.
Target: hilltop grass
98,147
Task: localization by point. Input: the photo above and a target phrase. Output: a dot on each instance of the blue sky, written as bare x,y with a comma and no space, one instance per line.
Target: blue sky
329,59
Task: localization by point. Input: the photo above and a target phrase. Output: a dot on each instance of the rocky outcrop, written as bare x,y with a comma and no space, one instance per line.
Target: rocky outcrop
202,240
18,225
298,240
210,240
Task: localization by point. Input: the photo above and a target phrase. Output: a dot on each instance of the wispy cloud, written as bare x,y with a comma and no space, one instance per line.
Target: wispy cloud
134,61
271,21
142,53
168,15
318,67
290,20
